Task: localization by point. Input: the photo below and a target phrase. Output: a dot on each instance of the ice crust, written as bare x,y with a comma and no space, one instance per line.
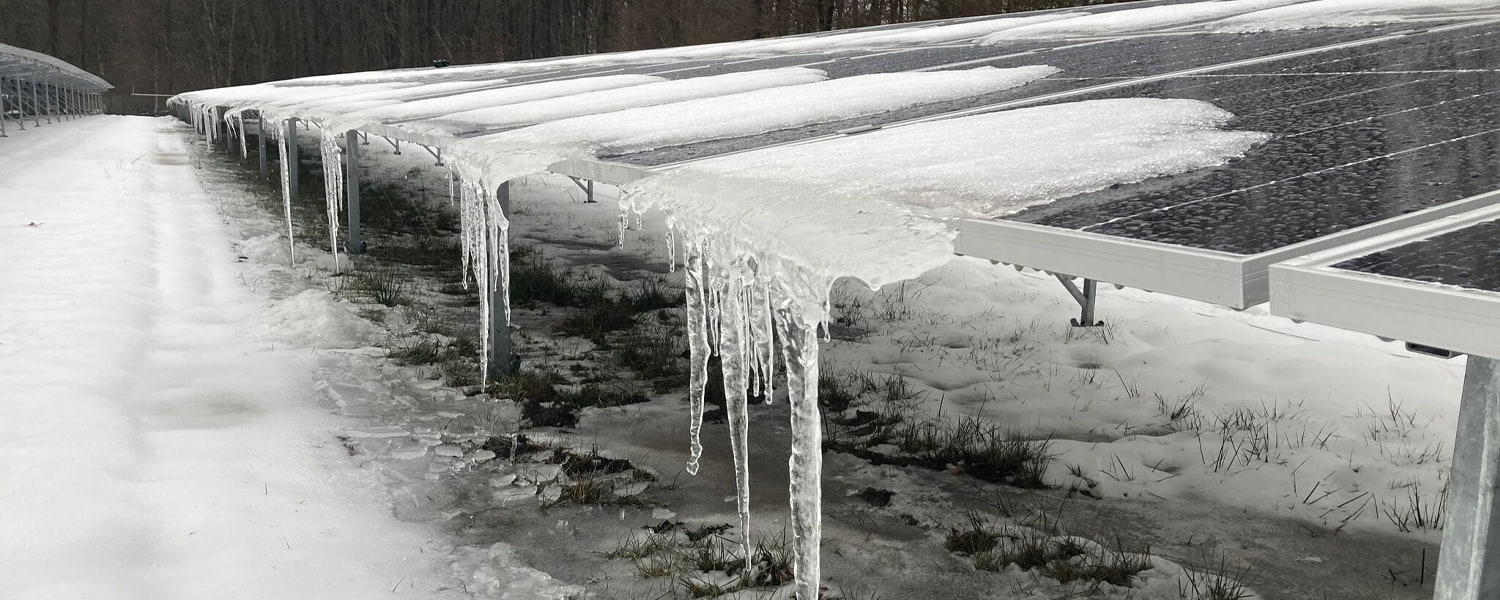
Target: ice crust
1133,20
407,108
775,228
493,159
598,102
1347,13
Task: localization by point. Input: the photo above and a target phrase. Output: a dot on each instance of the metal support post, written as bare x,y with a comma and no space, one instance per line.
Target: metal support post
503,360
355,243
1469,562
36,108
260,142
587,185
290,139
20,103
4,112
1086,300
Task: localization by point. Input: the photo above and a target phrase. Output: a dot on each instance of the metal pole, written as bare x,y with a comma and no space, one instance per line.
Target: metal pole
355,244
260,142
502,359
18,101
36,108
1469,562
4,113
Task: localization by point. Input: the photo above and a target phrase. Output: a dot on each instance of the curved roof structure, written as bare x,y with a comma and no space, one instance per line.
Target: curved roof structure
41,68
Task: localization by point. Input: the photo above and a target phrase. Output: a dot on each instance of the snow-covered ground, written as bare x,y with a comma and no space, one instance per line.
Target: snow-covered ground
186,416
159,434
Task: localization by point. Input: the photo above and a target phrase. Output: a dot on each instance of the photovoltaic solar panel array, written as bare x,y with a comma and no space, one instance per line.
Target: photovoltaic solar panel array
1465,258
1360,135
1085,64
1372,205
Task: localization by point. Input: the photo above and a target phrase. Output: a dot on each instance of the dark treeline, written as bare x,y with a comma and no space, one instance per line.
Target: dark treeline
168,46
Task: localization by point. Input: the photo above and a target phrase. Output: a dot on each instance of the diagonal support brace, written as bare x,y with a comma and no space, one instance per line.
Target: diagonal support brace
587,185
436,153
1086,298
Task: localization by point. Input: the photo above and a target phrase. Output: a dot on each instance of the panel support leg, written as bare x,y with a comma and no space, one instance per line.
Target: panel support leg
1086,298
503,361
355,243
1469,563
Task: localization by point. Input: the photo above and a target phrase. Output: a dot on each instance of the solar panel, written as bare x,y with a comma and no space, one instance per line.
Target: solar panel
1361,136
1465,258
1437,285
1085,65
1369,123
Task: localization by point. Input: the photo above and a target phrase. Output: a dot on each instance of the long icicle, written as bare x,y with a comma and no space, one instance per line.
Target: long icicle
333,187
286,193
698,352
732,352
800,343
498,231
244,149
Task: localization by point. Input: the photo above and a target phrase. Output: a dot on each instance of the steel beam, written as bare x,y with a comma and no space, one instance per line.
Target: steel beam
355,243
503,361
1469,563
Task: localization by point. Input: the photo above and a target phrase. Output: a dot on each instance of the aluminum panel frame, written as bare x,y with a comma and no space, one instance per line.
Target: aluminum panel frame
1237,281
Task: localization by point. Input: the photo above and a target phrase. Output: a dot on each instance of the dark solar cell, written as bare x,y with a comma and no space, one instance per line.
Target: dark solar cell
1350,148
1469,257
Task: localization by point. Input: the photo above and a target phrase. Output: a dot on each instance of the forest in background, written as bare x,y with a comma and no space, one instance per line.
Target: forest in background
170,46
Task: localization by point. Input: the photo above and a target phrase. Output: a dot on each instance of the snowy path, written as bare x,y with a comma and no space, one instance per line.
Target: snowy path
153,443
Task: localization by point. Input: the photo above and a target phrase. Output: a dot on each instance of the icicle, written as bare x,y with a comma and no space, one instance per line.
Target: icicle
714,302
800,342
624,221
466,230
698,351
207,121
671,249
478,252
827,309
244,150
485,233
751,353
732,352
286,198
759,314
498,230
452,196
333,188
